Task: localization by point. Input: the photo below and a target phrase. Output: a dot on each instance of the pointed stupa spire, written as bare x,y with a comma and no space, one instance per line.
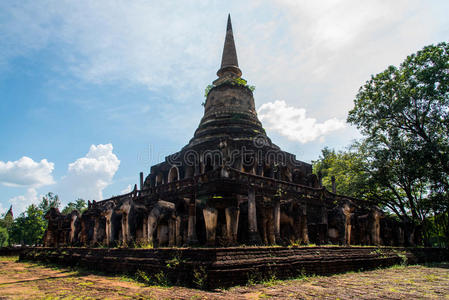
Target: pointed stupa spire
229,63
9,212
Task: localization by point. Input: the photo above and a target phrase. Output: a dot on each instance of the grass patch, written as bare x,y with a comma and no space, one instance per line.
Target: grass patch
430,277
414,282
158,279
9,258
85,283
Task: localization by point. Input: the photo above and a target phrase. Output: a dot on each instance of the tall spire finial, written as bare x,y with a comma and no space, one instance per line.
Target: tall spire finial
9,212
229,63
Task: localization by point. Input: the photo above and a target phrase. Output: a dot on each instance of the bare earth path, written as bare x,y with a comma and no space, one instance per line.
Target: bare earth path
19,280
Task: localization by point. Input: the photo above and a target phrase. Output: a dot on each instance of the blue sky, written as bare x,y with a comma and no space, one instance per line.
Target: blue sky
93,92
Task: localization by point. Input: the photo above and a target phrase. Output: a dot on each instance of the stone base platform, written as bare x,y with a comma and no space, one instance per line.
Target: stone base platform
224,267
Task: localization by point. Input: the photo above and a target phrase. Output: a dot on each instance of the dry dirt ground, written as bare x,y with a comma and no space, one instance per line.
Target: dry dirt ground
25,280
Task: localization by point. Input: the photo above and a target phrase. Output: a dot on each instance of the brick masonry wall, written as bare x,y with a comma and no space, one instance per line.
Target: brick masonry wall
222,267
11,251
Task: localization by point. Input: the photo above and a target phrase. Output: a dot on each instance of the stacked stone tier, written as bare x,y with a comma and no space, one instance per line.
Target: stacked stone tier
229,113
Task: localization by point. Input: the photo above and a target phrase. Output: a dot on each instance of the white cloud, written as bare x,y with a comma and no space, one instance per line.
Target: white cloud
85,178
293,123
157,44
20,203
25,172
325,50
88,176
322,50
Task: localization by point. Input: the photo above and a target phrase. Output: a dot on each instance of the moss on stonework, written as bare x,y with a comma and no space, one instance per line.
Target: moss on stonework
234,81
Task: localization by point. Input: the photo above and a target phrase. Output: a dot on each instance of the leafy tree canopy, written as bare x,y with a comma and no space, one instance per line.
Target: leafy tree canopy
347,167
403,114
6,220
48,201
407,108
4,237
79,205
29,227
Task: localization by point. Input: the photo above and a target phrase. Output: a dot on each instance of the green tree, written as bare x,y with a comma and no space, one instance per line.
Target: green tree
6,221
4,237
348,169
48,201
29,227
403,114
394,181
79,205
380,176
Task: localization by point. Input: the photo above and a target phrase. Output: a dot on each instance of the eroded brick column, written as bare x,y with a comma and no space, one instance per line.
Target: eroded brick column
152,224
348,227
376,228
108,227
95,233
277,220
125,228
191,226
210,219
304,229
83,233
172,232
125,209
73,219
178,235
253,235
145,229
232,223
323,228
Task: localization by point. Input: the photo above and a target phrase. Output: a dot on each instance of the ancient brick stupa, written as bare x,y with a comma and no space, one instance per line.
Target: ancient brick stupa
230,185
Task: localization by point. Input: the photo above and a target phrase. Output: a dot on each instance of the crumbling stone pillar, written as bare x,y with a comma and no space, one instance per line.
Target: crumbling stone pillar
125,209
253,234
210,218
323,230
125,228
232,223
178,235
191,226
152,221
375,232
74,217
95,233
401,236
108,227
348,227
145,230
277,220
172,231
324,215
266,225
304,230
83,233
